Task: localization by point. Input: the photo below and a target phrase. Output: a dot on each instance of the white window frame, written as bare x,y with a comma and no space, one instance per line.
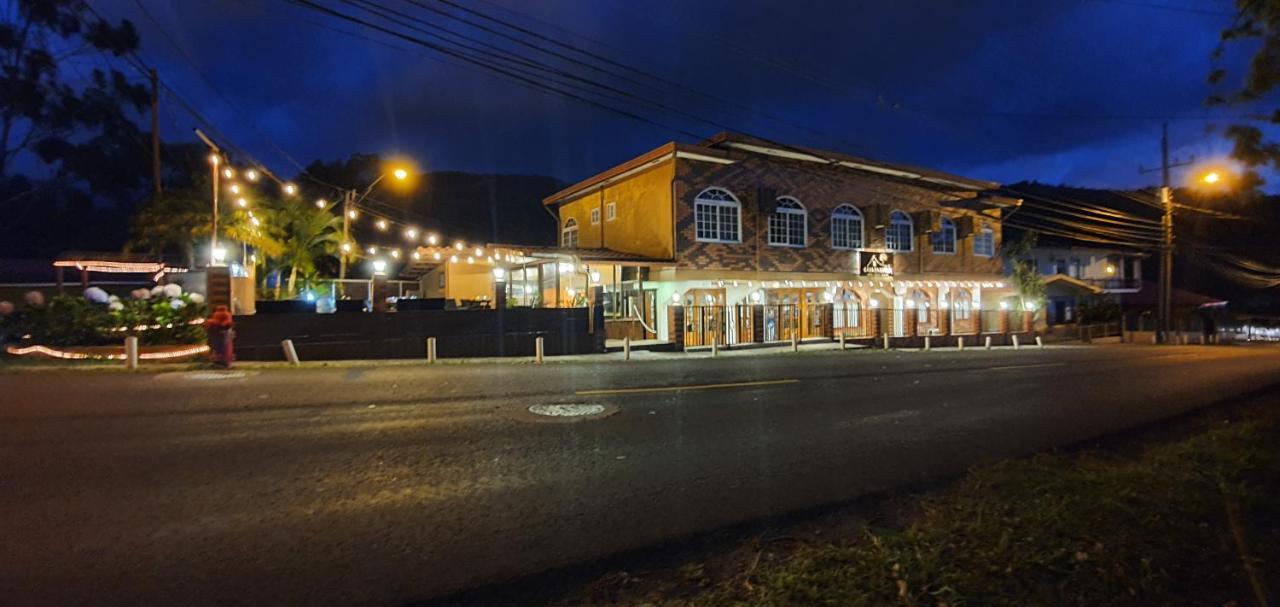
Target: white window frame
847,214
569,234
610,211
944,237
595,216
781,227
962,312
894,226
984,243
716,202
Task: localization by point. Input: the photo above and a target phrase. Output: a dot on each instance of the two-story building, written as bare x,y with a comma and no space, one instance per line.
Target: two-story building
736,221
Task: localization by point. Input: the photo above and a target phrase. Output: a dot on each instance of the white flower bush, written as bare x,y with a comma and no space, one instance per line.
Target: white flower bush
177,304
157,291
96,295
33,298
172,290
143,293
115,306
195,298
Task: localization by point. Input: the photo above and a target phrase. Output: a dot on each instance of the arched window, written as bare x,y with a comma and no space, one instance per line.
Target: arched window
921,300
846,227
944,240
984,243
847,309
899,234
787,225
717,216
962,304
569,235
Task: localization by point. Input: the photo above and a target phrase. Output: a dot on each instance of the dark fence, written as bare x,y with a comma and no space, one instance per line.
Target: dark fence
458,333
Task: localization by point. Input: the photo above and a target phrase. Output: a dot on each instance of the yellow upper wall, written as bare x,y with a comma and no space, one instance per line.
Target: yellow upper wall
644,214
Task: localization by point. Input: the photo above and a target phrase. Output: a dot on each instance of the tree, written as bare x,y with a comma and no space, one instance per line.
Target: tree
179,219
1027,279
309,233
84,129
1257,20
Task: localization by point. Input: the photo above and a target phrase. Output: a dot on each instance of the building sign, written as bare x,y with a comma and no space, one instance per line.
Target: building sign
875,263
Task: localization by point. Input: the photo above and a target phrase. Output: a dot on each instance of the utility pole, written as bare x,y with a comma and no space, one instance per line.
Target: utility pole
347,195
1164,307
215,158
155,132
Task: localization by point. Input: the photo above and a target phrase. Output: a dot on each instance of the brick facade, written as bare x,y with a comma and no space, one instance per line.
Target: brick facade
756,180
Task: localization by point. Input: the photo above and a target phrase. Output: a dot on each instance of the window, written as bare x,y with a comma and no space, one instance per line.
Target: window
787,225
569,236
716,216
611,211
898,236
963,305
984,243
922,306
846,228
944,240
595,217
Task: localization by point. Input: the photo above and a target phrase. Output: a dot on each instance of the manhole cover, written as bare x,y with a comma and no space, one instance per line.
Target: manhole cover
567,410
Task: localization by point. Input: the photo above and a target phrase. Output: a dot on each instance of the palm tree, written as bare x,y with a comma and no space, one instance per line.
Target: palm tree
309,234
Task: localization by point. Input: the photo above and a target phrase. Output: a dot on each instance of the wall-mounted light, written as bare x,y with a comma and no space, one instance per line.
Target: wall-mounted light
379,266
499,274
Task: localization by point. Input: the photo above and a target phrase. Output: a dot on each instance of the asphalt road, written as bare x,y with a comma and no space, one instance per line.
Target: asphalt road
385,485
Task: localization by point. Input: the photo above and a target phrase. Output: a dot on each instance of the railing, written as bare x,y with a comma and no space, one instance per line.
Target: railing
1115,283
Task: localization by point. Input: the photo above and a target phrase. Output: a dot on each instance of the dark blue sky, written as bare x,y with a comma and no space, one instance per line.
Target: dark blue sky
1054,90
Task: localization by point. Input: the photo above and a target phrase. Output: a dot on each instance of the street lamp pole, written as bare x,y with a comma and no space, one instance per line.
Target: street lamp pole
215,156
1164,307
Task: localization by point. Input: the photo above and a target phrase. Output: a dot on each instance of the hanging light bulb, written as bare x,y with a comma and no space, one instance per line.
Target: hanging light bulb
382,224
352,214
242,202
235,188
228,173
255,221
479,251
458,245
395,253
346,247
214,160
290,189
432,240
321,203
453,259
411,233
417,255
251,175
436,256
373,250
470,259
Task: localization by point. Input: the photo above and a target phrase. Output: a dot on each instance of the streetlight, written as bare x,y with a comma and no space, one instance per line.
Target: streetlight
399,172
1212,177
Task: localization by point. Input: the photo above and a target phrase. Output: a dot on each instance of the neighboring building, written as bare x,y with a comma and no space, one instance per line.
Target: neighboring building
1072,271
737,220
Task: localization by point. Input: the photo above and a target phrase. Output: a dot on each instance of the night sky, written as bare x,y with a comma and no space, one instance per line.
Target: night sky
1060,91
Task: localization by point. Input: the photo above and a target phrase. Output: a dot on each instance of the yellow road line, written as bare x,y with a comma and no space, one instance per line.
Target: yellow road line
1031,366
745,384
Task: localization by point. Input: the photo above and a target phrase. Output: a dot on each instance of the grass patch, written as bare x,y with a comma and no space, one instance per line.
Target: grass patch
1194,521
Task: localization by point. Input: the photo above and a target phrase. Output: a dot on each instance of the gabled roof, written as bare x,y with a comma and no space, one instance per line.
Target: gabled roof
1072,282
730,147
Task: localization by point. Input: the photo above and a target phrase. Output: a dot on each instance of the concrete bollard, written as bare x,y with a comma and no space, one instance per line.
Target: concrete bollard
926,343
1039,342
1015,341
131,352
715,346
626,348
987,346
431,349
537,350
960,343
842,341
795,342
290,354
886,341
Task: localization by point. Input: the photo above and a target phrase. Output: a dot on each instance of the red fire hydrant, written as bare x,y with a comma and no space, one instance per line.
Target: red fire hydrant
219,329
